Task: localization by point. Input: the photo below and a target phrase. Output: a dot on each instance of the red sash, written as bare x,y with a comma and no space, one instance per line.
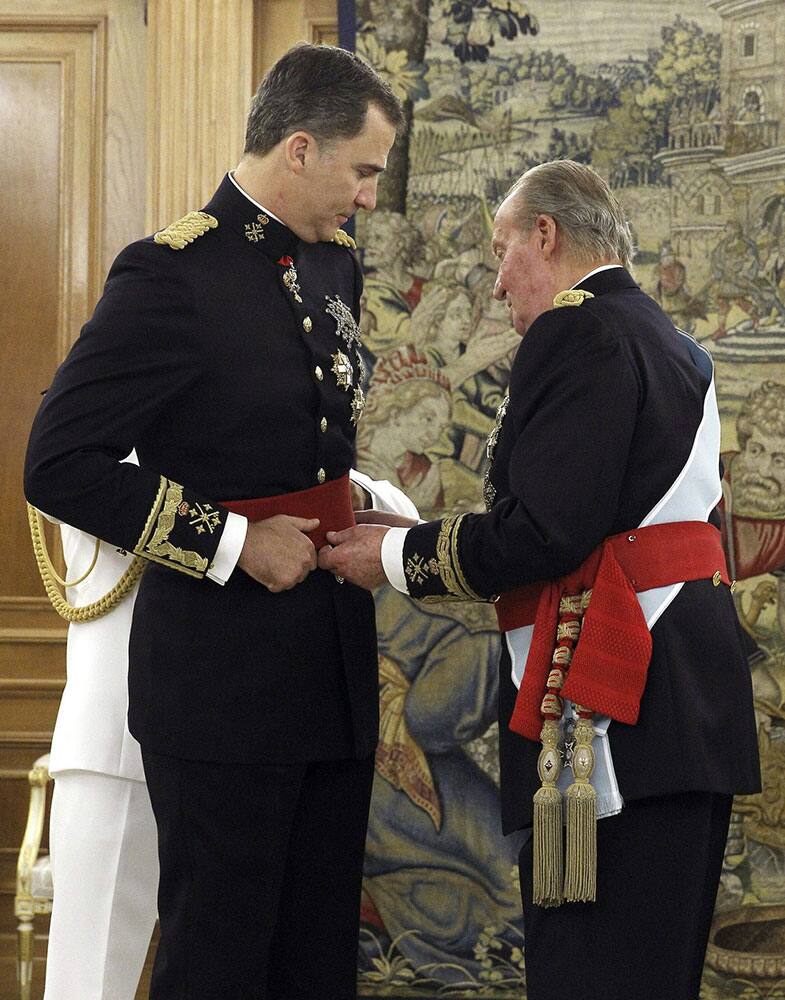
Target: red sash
330,502
608,669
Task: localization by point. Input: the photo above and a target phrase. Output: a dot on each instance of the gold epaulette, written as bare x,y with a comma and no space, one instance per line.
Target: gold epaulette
344,239
572,297
186,230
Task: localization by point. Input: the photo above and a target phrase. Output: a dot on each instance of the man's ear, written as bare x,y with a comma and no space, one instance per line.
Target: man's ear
298,148
546,230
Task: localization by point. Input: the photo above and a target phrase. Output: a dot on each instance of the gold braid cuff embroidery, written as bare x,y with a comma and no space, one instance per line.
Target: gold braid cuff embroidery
50,578
154,542
450,569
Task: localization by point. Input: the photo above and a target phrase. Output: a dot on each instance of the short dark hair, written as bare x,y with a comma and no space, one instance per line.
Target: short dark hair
319,89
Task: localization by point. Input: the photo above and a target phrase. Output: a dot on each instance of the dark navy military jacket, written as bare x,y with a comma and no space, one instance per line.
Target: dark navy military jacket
605,401
232,366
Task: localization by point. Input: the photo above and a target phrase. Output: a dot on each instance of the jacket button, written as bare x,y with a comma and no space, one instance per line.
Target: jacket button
318,373
323,425
307,324
321,475
717,579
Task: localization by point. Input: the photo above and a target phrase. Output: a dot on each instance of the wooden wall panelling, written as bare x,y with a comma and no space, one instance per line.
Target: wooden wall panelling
200,72
71,195
279,24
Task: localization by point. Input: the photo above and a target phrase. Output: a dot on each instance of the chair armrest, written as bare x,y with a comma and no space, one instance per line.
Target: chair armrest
31,842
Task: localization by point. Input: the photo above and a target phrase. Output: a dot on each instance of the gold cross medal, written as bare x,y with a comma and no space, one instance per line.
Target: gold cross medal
342,369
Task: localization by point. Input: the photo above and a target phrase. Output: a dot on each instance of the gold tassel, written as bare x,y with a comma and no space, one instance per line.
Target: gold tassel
580,882
548,859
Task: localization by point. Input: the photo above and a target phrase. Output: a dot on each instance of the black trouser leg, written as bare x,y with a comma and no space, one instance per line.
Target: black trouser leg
659,864
235,856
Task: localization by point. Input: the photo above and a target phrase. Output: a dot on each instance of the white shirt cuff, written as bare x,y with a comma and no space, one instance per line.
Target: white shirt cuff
384,496
392,558
229,548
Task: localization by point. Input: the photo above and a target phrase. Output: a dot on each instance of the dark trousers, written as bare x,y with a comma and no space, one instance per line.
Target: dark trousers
261,874
659,865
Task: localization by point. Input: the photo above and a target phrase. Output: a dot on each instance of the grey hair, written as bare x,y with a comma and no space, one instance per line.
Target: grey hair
590,218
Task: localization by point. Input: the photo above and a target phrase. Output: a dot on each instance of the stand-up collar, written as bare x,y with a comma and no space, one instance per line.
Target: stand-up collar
612,279
238,214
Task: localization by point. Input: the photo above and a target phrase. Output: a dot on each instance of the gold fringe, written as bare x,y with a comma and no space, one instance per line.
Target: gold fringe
580,880
89,612
548,854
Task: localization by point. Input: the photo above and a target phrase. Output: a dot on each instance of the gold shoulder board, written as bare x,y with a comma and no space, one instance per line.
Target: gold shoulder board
344,239
572,297
186,230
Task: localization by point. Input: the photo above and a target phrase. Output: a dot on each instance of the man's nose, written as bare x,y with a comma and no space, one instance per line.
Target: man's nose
498,288
366,197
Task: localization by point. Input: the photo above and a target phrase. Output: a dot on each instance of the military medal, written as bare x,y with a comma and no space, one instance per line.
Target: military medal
254,231
488,489
358,402
290,277
342,369
346,325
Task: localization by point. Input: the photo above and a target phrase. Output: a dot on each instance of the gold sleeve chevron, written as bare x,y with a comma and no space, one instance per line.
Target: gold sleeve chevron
448,560
154,542
179,234
571,297
344,240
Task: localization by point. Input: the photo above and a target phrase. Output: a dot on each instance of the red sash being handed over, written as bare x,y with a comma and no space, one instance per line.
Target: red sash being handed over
330,502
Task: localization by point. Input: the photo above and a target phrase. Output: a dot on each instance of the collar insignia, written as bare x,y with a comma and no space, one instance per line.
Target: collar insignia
254,231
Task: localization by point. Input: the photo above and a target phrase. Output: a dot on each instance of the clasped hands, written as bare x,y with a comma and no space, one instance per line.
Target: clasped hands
279,554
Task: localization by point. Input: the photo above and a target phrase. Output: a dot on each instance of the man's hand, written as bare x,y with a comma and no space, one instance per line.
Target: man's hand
361,499
384,517
278,553
355,555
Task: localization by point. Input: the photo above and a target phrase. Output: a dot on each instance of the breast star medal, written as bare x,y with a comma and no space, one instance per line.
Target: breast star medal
345,324
342,369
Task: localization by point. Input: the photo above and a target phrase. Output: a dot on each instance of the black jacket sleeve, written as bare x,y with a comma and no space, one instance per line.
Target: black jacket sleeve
135,357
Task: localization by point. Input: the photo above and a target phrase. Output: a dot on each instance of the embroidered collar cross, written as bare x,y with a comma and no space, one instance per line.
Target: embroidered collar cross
346,325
